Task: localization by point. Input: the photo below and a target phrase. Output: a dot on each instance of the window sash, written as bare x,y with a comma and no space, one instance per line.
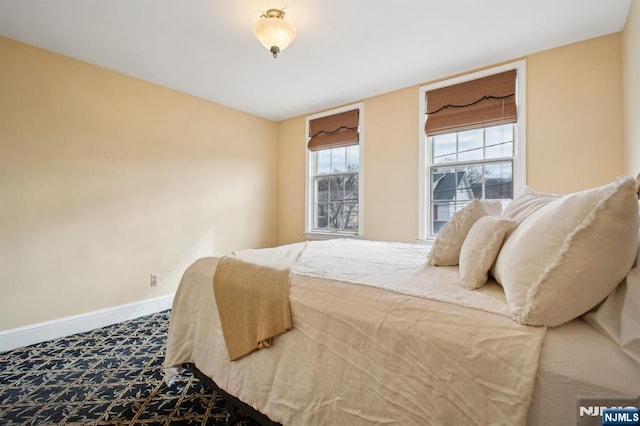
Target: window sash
457,194
331,206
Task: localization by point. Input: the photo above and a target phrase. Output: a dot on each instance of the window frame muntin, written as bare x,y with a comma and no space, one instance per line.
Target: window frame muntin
424,148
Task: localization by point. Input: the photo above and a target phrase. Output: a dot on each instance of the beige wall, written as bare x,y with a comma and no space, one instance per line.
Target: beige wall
631,78
105,179
574,139
291,171
574,115
391,166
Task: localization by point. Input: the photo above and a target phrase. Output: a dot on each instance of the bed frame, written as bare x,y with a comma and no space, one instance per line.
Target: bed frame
237,409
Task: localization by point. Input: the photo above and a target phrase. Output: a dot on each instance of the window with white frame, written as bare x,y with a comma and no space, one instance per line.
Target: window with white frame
334,152
472,143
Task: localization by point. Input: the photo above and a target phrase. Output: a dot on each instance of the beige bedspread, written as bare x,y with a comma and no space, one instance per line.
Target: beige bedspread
360,354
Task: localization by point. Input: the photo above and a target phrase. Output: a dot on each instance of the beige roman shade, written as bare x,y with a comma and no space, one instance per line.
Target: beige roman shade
333,131
483,102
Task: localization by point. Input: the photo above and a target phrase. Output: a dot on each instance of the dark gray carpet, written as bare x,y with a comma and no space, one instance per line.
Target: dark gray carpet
109,376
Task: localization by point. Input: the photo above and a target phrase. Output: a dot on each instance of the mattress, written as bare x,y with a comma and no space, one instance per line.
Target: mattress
577,360
335,377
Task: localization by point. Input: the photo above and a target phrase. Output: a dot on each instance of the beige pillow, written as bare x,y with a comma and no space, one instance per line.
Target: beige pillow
567,256
446,247
526,204
481,248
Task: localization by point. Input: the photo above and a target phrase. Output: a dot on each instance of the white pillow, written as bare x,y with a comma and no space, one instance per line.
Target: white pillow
619,315
481,248
526,204
566,257
446,247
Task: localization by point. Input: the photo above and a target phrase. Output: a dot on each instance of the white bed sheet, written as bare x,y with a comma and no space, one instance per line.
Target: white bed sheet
577,360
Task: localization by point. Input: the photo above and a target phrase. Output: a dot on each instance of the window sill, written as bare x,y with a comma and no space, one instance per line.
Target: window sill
329,235
426,242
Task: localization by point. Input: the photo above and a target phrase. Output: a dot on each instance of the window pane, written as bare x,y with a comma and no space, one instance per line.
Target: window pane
335,215
350,217
321,221
338,160
323,161
444,148
499,181
470,144
336,188
353,158
502,150
351,188
444,183
441,213
496,134
499,141
451,190
471,182
322,189
440,188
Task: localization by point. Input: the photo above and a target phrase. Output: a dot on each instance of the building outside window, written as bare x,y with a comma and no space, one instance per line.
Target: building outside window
334,170
472,144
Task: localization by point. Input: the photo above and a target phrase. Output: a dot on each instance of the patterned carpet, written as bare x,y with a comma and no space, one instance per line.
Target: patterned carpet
109,376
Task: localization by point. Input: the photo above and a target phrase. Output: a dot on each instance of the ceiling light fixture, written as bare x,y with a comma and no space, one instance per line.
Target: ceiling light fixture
274,32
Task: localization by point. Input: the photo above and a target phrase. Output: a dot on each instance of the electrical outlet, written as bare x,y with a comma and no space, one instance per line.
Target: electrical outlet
154,280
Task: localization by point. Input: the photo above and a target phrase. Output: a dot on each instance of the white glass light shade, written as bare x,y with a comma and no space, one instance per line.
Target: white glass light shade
274,32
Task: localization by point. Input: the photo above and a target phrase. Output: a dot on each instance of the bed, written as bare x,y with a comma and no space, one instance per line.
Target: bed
392,333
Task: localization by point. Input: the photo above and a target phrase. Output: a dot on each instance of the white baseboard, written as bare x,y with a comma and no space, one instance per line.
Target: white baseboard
40,332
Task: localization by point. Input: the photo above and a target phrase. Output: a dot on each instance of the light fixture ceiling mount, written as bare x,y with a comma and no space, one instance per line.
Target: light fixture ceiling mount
274,32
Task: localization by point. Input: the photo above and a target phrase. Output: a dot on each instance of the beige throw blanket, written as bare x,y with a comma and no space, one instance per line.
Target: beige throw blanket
253,298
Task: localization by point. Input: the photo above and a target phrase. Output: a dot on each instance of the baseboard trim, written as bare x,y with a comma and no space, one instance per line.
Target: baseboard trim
43,331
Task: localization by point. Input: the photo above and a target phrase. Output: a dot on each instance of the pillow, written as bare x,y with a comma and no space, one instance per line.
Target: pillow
567,256
523,206
492,207
446,247
618,317
481,248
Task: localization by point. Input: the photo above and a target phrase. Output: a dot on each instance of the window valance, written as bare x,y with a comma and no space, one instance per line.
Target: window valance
333,131
483,102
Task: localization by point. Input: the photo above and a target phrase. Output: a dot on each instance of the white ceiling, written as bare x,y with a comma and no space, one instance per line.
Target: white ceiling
346,50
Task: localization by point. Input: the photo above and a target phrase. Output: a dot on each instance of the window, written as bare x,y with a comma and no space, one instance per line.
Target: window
334,169
471,144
